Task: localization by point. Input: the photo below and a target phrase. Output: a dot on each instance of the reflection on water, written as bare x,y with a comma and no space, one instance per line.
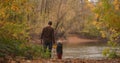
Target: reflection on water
86,51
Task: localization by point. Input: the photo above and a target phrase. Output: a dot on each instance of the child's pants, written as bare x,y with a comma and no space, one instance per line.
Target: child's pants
59,56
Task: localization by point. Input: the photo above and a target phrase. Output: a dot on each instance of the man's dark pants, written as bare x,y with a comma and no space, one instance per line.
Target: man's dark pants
49,46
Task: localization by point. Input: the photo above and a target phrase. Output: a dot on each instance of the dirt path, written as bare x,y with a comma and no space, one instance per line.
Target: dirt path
76,40
72,39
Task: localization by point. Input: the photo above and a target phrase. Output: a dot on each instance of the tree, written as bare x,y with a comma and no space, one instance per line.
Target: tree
107,18
13,26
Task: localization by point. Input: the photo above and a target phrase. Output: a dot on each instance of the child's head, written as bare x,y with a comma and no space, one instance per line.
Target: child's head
59,41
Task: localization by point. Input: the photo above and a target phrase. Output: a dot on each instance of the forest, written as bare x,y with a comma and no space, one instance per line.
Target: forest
22,22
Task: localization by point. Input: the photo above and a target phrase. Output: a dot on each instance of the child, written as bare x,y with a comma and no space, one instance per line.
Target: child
59,49
54,54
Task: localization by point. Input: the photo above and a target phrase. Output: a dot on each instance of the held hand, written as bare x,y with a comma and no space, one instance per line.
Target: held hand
54,46
54,42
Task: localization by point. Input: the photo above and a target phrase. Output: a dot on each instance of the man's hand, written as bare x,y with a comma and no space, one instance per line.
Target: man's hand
41,42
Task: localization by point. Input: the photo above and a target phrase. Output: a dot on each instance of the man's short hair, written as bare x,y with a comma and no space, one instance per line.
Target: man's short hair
50,23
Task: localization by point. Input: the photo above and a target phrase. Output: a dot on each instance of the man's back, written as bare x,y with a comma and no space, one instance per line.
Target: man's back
48,34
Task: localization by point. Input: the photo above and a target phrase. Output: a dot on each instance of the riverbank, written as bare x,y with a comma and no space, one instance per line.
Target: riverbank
76,39
71,39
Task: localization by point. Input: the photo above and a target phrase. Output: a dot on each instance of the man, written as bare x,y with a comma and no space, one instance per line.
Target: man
47,37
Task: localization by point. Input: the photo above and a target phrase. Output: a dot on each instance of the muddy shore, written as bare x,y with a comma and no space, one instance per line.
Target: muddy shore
68,61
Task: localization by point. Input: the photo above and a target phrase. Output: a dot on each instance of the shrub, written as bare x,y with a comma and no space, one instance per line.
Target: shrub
111,52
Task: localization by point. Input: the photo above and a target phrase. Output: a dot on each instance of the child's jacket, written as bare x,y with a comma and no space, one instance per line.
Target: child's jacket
59,48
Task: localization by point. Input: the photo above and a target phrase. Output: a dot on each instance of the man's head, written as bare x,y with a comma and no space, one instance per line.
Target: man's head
50,23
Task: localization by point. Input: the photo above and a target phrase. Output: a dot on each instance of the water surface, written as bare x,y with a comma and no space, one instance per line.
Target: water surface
84,51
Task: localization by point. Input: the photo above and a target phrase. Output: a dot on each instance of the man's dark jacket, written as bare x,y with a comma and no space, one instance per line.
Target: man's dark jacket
48,34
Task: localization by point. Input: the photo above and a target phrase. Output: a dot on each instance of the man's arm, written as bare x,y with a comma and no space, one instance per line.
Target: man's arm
41,38
53,36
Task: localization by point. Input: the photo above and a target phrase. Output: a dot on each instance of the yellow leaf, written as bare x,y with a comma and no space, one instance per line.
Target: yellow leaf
14,8
54,46
94,23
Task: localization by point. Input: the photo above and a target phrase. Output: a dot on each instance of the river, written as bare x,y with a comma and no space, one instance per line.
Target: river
84,51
